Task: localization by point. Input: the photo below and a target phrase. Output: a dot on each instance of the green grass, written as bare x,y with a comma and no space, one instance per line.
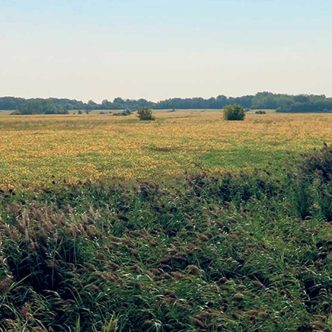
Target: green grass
245,252
40,150
242,158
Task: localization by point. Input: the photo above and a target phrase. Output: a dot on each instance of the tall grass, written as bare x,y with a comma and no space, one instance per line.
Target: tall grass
220,253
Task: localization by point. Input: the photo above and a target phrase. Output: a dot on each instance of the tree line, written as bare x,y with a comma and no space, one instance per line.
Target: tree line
261,100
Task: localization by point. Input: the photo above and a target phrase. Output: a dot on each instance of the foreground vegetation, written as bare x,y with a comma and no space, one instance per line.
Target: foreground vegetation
246,252
46,151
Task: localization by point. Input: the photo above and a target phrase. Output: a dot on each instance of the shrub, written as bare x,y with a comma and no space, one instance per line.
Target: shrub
145,114
126,112
260,112
234,112
123,113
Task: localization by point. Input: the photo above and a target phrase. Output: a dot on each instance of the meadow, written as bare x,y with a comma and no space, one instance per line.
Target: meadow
186,223
39,151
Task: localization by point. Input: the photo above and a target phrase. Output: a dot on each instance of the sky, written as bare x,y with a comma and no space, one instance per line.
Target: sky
158,49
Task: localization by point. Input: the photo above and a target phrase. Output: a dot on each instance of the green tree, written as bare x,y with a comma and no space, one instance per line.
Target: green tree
234,112
40,106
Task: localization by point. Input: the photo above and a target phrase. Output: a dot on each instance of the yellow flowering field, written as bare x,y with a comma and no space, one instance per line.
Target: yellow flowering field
49,150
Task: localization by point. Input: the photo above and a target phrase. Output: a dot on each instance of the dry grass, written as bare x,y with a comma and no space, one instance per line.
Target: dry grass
38,150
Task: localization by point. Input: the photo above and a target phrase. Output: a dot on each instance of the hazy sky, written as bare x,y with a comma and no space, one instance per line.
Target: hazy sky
156,49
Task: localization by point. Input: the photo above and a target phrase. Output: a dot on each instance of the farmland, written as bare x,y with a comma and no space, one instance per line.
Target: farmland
185,223
38,151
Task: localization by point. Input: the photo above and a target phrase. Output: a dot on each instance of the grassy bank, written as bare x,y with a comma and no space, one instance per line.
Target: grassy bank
218,253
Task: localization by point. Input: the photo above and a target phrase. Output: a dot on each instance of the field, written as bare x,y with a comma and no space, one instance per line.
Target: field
186,223
37,151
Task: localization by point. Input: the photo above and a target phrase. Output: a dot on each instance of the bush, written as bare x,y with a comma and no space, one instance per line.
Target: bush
145,114
123,113
126,112
260,112
234,112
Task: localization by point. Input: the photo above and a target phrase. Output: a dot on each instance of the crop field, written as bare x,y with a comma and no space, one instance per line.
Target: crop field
185,223
44,150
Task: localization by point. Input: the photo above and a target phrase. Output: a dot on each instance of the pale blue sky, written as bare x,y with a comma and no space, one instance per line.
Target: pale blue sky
158,49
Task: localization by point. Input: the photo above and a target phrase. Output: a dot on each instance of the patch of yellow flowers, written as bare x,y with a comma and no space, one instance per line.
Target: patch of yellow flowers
38,151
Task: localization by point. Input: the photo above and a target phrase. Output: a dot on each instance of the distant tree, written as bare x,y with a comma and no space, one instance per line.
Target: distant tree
92,105
105,103
302,99
11,103
234,112
316,106
145,114
118,103
262,100
40,106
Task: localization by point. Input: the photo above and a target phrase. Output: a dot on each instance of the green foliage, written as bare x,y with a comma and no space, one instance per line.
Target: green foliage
40,106
123,113
234,113
262,100
217,253
313,190
13,103
260,112
145,114
307,106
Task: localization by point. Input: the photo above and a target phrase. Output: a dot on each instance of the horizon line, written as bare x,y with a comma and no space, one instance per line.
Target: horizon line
160,100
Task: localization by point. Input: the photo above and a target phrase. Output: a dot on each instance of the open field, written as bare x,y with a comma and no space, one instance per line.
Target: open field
166,166
216,250
41,150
